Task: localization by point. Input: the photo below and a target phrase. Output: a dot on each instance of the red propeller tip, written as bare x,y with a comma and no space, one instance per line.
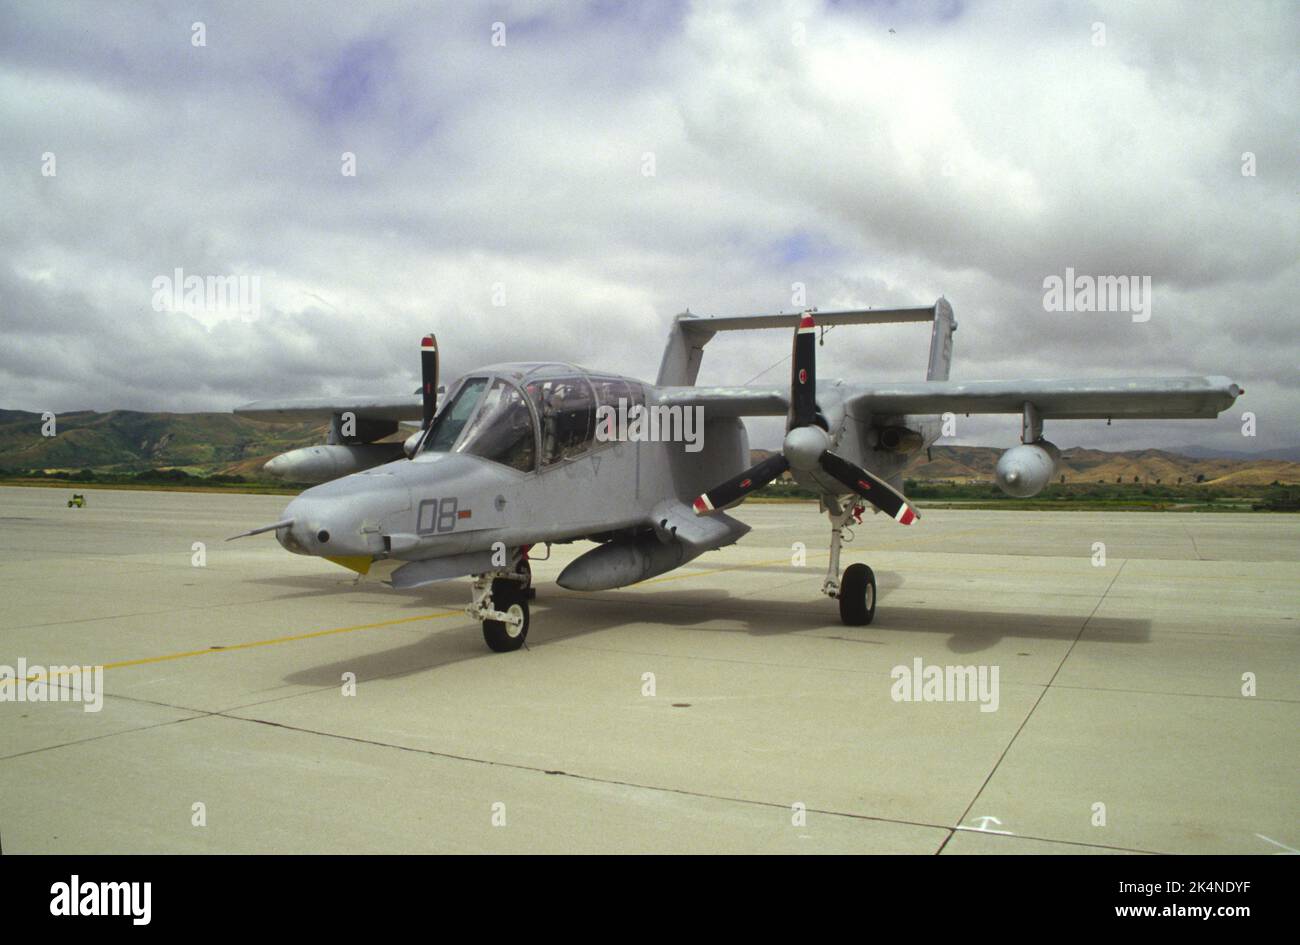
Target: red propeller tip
426,342
905,516
703,506
806,323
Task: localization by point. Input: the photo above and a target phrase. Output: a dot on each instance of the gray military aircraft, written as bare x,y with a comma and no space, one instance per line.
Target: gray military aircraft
524,454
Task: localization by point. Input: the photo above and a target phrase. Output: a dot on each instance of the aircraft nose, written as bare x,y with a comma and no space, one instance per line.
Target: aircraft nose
308,534
320,526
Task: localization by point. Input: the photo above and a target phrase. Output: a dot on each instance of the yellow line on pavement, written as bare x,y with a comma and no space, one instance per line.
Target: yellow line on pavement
255,643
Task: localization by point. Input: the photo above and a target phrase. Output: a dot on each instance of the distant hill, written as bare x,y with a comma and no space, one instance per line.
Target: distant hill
1078,465
1196,451
207,443
128,441
967,463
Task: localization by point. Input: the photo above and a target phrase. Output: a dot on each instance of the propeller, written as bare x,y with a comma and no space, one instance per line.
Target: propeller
429,377
807,446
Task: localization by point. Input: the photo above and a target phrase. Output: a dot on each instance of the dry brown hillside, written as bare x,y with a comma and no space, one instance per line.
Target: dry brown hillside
976,464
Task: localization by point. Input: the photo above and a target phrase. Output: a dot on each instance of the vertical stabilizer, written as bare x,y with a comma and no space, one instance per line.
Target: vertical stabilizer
941,341
684,352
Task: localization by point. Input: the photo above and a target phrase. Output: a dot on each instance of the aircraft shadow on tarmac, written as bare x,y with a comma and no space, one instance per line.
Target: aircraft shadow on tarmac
560,615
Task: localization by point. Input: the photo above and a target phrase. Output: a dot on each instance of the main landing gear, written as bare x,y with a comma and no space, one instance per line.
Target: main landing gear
501,604
856,591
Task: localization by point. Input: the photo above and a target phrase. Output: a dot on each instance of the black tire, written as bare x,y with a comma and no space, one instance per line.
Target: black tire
857,596
525,587
506,595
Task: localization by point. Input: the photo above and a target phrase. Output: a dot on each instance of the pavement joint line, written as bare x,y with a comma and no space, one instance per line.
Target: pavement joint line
293,638
1037,702
198,714
1183,695
553,772
204,714
1072,843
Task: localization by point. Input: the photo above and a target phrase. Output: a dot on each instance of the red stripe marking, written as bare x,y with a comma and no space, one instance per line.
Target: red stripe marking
426,342
807,322
465,513
907,518
864,484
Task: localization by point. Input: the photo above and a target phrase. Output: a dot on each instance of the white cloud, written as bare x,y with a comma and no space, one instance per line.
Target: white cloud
972,152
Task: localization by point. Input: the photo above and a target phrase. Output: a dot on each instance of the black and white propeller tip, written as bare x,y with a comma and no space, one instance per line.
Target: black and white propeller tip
429,378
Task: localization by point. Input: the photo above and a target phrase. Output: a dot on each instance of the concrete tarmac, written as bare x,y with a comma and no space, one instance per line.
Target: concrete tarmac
722,707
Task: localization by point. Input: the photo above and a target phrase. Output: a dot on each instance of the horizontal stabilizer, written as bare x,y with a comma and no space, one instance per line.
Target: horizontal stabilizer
865,316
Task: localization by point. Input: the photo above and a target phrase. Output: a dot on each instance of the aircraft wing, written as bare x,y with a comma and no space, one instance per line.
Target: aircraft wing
1136,398
407,407
727,401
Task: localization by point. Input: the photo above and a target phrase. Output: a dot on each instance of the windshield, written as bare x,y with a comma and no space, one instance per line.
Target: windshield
502,431
453,417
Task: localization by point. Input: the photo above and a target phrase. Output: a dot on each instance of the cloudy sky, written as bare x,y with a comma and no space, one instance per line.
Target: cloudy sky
599,167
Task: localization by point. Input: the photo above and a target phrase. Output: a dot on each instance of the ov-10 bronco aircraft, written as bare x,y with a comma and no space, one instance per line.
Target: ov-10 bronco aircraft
523,454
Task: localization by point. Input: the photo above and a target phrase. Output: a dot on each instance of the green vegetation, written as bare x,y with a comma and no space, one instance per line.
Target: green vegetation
165,479
1092,497
128,441
1279,498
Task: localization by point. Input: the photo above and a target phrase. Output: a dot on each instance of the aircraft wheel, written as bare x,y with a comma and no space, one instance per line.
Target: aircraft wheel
857,596
498,635
526,586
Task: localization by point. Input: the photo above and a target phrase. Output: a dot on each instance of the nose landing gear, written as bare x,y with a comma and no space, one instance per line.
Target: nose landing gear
501,605
856,592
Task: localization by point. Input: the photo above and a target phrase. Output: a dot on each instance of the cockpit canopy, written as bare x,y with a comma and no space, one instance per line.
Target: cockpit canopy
528,416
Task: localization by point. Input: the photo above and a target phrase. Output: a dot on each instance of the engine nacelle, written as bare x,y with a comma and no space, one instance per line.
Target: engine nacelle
900,440
1024,471
331,461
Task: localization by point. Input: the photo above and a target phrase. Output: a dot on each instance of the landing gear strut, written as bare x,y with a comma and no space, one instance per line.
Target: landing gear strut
856,592
501,605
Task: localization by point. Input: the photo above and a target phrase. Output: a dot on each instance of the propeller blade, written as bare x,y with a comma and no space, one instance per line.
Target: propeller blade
265,528
876,491
803,375
737,487
429,377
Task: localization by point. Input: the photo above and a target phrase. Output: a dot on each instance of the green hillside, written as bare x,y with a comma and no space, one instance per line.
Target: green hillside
129,441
